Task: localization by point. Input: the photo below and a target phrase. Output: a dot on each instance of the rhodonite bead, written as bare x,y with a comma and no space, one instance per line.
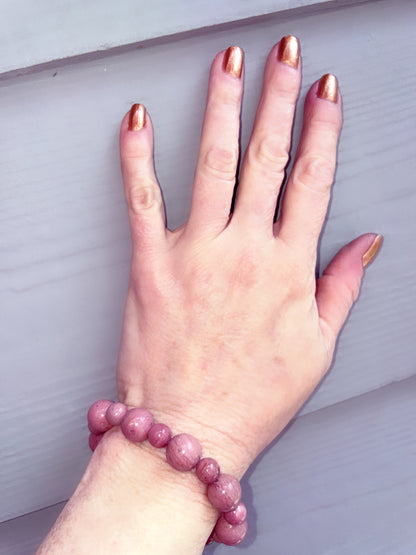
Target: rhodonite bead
207,470
159,435
237,515
94,440
183,452
115,413
97,421
225,493
136,424
229,534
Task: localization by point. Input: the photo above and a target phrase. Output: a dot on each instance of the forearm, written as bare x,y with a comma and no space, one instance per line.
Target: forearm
131,501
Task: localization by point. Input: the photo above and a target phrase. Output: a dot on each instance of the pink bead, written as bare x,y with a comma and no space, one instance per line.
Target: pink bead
225,493
228,533
214,536
237,515
115,413
94,440
97,421
159,435
136,424
183,452
207,470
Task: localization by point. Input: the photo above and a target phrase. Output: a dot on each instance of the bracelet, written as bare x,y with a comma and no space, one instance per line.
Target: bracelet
183,452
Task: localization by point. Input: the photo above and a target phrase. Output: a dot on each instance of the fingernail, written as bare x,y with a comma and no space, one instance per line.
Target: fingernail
137,118
288,51
328,87
371,253
233,61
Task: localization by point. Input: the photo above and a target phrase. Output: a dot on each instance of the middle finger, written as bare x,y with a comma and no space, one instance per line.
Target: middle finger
267,154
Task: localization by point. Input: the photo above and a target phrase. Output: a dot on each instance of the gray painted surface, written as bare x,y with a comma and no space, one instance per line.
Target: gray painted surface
64,245
65,29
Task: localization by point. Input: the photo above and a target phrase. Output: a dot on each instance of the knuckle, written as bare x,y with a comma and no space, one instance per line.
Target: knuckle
315,173
349,296
142,197
224,97
286,90
349,290
131,152
221,163
147,288
325,127
354,290
300,285
269,156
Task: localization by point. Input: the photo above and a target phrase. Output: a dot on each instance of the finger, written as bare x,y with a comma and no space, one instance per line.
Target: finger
267,154
143,195
306,198
218,155
339,286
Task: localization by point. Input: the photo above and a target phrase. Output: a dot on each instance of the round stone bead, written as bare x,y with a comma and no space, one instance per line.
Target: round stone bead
225,493
237,515
136,424
207,470
183,452
97,421
159,435
229,534
94,440
115,413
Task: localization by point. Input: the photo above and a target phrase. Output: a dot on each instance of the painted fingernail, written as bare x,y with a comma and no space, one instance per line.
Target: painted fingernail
328,87
371,253
288,51
137,118
233,61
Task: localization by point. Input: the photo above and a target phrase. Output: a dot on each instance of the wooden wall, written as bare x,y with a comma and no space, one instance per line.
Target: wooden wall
342,478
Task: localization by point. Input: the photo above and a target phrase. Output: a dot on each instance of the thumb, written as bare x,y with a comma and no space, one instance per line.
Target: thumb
339,286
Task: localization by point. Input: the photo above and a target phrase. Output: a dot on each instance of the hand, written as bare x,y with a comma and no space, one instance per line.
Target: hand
226,330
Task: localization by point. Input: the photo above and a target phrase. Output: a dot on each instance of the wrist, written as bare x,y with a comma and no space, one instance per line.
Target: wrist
129,459
223,444
158,494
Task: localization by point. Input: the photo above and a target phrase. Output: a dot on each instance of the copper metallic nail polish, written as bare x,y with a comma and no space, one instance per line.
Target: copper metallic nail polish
233,61
370,254
137,118
328,87
288,51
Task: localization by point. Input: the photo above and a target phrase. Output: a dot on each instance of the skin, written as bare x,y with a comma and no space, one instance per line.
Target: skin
226,330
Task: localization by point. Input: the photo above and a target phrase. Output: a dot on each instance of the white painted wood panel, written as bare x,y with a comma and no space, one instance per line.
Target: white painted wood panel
37,32
340,481
64,245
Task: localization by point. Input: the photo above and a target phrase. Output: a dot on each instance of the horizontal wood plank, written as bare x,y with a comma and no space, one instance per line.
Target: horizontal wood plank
33,33
64,244
340,481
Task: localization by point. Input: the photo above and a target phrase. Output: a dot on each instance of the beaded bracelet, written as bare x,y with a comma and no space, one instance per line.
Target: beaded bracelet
183,452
